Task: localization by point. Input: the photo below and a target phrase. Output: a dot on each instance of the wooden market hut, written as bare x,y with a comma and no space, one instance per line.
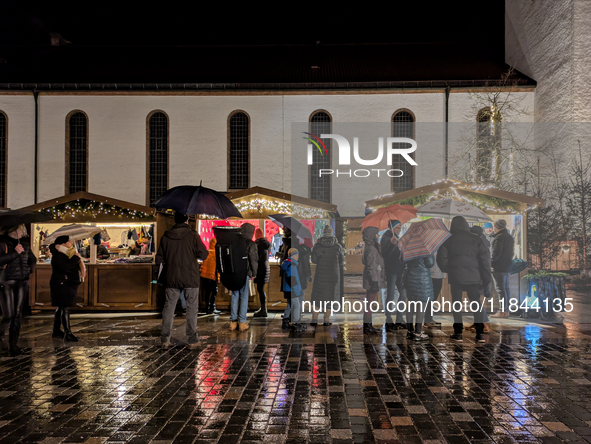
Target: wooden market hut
256,204
108,286
496,203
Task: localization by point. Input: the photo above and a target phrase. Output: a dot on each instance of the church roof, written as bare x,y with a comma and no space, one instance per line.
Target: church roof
262,67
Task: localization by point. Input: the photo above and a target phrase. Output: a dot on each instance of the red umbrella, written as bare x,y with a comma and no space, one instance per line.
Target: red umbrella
380,218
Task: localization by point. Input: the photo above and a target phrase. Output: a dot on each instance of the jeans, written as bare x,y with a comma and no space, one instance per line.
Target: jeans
296,308
394,295
437,285
503,289
473,291
172,297
287,312
239,304
183,300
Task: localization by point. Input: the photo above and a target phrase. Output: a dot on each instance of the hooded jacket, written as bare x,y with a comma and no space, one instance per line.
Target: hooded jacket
247,231
373,271
391,253
478,231
291,283
179,249
503,250
208,267
463,256
327,254
264,270
18,266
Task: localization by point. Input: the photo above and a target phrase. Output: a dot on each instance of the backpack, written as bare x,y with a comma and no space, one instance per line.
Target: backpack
231,257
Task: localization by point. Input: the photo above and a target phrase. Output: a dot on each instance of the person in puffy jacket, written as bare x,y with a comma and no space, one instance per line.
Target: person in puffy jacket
18,263
503,250
292,290
328,257
179,249
209,279
393,268
466,260
419,292
373,274
67,272
263,272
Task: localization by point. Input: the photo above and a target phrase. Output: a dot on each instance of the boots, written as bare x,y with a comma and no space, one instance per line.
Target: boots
368,329
57,322
13,334
69,336
285,323
261,312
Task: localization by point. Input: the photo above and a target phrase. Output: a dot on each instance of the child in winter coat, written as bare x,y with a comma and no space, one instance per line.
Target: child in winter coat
292,291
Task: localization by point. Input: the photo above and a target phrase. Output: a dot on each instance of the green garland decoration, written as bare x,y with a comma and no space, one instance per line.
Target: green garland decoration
414,201
542,273
483,200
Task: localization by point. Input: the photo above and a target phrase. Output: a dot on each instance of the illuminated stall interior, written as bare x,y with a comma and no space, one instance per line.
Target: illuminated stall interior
120,281
256,205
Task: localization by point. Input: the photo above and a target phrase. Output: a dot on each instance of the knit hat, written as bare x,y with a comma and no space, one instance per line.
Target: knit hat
328,230
392,223
258,233
292,252
62,240
180,218
488,225
500,224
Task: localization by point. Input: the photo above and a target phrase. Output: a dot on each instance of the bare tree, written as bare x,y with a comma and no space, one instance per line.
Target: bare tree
578,201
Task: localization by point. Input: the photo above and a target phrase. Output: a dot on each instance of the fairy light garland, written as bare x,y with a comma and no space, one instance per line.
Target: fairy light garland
92,210
277,206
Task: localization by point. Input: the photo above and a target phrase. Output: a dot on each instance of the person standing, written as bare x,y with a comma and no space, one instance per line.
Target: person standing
393,268
292,289
437,277
209,279
373,274
484,290
239,301
503,250
263,271
327,254
419,292
179,249
466,260
67,272
18,263
489,234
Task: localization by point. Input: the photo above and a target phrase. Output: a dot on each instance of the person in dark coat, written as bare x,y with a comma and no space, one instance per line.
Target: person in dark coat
67,272
393,268
239,300
503,250
373,274
179,249
292,289
485,291
263,271
327,254
18,262
466,260
419,292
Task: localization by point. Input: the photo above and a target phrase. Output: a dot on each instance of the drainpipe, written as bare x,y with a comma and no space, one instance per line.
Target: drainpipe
36,96
447,90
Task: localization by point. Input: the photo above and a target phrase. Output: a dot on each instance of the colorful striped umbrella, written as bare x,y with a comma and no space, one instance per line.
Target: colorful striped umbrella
423,239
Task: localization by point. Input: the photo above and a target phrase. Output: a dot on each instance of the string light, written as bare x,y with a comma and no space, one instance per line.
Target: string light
259,205
92,209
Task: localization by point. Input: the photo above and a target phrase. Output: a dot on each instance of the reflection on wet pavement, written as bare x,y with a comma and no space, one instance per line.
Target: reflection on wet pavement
527,383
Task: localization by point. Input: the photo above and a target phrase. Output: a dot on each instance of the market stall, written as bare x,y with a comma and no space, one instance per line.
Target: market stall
120,276
256,205
497,204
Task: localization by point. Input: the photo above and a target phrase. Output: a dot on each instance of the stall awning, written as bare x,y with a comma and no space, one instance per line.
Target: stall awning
259,202
84,207
488,198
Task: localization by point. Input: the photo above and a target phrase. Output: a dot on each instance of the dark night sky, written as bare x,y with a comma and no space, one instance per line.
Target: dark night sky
223,23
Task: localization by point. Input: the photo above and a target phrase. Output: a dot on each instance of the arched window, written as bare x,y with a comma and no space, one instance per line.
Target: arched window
488,142
403,125
76,152
157,155
320,187
238,151
3,157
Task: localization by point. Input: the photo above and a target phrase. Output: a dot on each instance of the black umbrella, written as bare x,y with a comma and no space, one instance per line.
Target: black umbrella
13,218
194,200
298,228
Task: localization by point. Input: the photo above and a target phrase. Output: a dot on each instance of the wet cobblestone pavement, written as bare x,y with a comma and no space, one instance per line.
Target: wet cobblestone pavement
527,383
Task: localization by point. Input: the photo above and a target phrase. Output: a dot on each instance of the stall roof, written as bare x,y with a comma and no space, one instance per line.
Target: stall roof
85,196
457,188
283,196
